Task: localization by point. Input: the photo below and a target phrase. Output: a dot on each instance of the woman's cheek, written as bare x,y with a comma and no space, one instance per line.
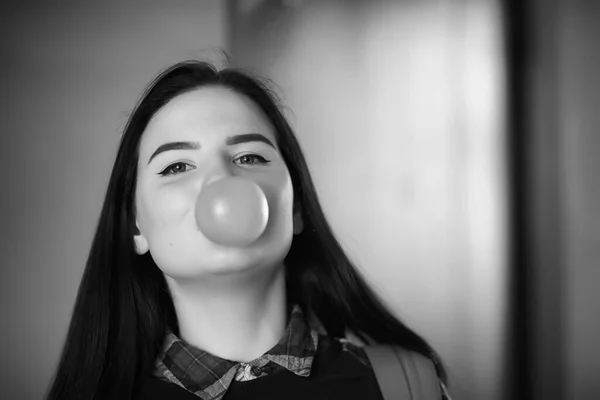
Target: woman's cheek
171,206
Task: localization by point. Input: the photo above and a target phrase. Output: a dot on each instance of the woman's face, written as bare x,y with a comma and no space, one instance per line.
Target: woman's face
199,137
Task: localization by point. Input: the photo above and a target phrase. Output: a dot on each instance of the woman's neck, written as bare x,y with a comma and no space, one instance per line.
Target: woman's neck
238,318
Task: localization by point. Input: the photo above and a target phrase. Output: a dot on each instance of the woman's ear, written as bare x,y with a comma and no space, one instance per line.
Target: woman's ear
298,221
141,244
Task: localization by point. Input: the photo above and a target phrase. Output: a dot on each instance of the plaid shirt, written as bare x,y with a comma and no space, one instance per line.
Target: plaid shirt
209,377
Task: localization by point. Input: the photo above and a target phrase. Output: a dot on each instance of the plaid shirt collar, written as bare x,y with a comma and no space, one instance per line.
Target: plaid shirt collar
209,376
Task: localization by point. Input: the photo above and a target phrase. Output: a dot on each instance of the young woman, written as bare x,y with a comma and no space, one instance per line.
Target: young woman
165,311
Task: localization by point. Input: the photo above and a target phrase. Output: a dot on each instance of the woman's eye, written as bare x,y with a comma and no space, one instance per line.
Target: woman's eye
175,169
251,159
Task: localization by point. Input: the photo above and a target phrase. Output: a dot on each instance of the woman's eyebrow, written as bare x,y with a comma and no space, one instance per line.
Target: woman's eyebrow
174,146
231,140
248,137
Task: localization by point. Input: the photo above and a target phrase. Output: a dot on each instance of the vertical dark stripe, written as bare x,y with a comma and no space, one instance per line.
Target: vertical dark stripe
516,50
535,171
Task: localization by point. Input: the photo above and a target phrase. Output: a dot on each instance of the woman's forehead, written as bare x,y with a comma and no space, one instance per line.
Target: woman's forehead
206,112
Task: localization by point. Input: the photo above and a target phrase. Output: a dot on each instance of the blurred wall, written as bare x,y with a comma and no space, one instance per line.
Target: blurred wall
72,71
579,107
399,106
563,122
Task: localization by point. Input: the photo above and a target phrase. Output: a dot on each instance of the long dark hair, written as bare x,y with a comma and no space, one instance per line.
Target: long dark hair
123,304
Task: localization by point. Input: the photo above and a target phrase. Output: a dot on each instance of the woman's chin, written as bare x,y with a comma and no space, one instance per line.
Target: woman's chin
228,265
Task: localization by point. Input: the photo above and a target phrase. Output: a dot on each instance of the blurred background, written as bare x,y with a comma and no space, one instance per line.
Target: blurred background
454,145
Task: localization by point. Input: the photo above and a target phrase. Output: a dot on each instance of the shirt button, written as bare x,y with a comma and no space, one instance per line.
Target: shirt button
256,371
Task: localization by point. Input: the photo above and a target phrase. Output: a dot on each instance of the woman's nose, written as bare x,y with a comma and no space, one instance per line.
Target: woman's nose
215,170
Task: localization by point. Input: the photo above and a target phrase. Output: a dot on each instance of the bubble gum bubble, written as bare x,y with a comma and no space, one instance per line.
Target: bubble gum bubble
232,211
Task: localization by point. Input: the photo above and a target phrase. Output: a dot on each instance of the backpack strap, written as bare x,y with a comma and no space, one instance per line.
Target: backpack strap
403,374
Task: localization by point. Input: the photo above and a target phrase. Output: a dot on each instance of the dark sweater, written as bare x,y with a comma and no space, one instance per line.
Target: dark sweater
339,371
